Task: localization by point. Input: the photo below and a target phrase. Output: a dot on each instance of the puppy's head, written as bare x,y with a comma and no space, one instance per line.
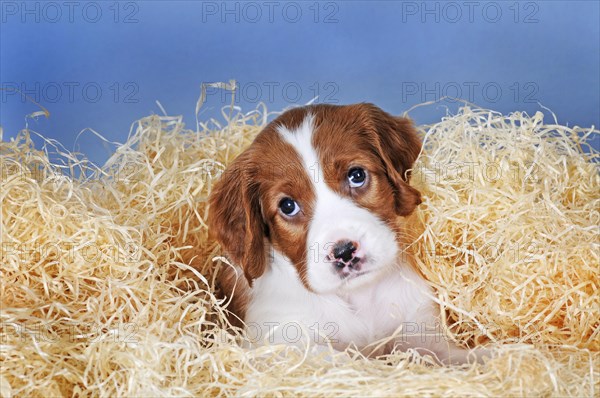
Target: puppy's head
322,185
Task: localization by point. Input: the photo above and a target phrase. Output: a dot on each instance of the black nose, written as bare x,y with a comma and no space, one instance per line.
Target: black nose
344,250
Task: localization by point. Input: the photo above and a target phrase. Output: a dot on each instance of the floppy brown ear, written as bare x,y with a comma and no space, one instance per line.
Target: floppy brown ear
399,146
235,220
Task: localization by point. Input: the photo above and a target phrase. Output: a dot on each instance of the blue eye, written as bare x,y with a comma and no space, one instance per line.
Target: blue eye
289,207
357,177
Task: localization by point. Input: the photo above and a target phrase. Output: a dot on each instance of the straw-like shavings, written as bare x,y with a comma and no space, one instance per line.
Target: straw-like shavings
106,278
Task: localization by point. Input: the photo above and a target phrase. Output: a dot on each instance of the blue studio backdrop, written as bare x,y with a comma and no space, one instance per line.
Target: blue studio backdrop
104,64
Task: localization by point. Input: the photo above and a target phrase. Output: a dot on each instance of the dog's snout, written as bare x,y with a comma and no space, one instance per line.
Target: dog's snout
344,250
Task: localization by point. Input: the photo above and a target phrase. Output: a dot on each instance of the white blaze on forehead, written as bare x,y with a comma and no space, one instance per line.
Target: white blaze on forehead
301,140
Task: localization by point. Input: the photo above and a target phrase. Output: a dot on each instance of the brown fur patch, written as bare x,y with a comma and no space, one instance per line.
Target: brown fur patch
384,145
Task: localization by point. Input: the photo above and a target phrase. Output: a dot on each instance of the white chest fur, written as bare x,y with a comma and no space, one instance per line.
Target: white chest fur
280,306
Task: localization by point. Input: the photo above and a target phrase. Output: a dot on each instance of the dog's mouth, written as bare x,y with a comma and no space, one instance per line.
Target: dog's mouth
351,269
353,275
352,264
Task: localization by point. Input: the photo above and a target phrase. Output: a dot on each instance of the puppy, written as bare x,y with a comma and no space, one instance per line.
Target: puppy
313,214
